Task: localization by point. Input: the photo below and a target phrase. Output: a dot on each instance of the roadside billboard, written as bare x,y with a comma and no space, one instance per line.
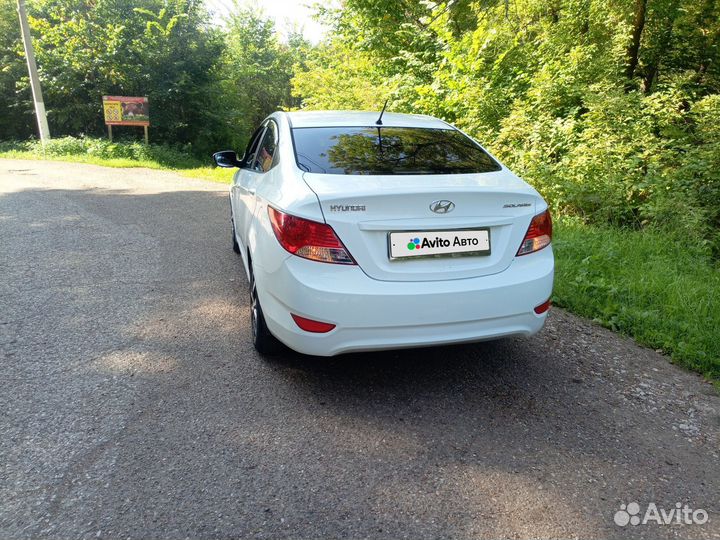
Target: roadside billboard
126,111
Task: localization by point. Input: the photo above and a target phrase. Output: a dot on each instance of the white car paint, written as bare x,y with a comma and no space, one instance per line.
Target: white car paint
384,303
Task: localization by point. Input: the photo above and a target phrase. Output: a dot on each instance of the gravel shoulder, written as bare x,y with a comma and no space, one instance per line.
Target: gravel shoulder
133,405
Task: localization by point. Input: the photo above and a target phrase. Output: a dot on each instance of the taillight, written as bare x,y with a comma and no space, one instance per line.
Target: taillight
539,234
308,239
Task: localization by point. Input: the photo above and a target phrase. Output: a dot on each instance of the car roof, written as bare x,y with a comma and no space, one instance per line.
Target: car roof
302,119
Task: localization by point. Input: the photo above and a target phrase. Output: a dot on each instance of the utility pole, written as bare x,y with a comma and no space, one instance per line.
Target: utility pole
32,69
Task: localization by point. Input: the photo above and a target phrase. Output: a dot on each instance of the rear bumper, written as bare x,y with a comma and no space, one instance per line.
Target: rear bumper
375,315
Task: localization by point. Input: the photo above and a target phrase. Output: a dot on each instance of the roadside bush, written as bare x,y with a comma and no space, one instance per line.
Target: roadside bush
165,155
688,196
624,159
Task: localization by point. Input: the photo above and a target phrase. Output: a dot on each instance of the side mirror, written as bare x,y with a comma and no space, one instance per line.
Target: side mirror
227,159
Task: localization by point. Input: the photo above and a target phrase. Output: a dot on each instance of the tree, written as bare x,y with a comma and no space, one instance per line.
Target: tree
634,46
16,108
254,73
337,77
85,49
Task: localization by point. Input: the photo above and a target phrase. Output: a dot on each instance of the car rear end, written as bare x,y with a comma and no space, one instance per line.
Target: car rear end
426,240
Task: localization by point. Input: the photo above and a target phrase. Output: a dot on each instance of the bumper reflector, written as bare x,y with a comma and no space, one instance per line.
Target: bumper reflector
542,308
312,326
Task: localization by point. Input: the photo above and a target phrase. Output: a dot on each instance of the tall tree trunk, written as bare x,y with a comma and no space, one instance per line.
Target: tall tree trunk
659,49
649,77
634,47
712,41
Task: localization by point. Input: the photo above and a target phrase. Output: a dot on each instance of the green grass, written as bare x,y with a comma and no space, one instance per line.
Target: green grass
216,174
658,287
116,154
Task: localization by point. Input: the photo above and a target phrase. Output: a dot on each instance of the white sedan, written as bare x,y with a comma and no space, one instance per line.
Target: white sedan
361,232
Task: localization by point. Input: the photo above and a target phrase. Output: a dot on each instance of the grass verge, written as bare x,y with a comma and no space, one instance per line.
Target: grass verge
661,289
116,154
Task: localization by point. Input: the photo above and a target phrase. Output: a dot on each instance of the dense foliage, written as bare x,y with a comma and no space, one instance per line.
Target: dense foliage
207,85
102,150
610,108
254,75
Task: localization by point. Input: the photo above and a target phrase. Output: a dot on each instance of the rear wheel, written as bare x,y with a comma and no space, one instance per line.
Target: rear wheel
265,343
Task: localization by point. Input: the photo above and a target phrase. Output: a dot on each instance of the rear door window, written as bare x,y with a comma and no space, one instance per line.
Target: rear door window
267,150
251,149
389,150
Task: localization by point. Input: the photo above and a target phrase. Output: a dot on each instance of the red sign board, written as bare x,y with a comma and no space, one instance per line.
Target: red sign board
126,111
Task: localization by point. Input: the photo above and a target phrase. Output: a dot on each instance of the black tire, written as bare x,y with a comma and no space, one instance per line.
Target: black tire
263,341
236,246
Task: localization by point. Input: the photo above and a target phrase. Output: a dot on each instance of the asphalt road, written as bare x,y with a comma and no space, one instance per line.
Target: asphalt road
132,404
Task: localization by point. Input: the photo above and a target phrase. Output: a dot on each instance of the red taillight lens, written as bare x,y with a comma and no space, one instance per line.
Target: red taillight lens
312,326
539,234
542,308
308,239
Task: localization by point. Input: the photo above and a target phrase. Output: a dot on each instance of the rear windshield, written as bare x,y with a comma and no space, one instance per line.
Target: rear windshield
388,150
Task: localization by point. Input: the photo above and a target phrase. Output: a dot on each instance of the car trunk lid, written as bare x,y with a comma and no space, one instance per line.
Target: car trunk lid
364,210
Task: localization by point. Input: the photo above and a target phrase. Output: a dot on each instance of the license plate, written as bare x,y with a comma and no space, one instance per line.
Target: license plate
428,243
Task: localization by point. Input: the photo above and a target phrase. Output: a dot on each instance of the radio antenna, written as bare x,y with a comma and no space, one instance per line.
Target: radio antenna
379,120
